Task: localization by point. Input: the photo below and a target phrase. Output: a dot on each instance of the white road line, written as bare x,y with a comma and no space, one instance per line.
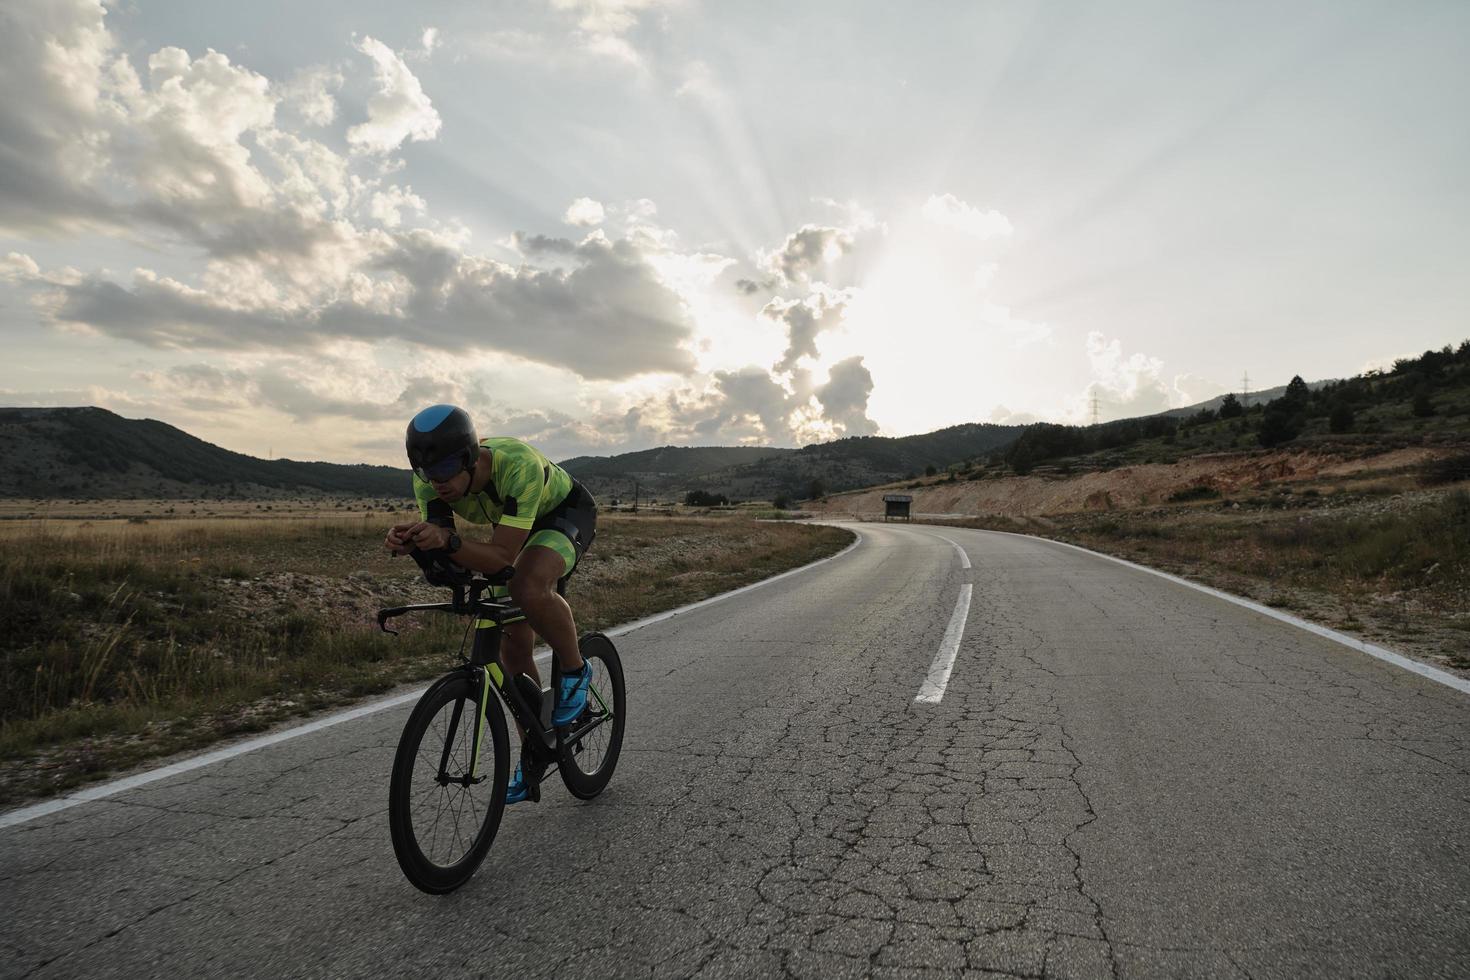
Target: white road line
1372,650
27,814
964,558
933,690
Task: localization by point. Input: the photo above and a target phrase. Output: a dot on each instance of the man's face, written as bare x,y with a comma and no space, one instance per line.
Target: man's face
453,488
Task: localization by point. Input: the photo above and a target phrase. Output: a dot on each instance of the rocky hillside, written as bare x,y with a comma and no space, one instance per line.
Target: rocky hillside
1196,477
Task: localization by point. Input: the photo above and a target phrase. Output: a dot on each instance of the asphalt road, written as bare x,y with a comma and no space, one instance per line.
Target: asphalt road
1123,778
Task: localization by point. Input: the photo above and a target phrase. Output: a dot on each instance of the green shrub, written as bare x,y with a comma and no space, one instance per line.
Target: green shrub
1451,469
1197,492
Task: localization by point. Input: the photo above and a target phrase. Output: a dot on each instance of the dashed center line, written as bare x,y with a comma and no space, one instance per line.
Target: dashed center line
933,690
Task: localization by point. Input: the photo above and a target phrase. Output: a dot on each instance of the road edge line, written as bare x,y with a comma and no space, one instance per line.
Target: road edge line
1362,646
15,818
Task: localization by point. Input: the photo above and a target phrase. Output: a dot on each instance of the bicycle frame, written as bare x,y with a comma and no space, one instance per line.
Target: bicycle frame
484,669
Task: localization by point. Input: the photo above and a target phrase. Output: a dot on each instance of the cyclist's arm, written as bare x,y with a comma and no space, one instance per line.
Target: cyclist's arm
495,554
432,510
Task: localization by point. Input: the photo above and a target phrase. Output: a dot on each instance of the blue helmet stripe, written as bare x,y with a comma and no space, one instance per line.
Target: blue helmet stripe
428,420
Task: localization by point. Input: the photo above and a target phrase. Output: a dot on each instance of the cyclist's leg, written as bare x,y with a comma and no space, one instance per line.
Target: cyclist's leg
557,542
538,567
515,651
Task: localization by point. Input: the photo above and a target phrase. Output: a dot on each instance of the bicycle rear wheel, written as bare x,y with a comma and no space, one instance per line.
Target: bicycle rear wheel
591,744
442,817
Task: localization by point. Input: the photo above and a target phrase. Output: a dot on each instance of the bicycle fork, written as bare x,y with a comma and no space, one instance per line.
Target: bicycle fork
481,678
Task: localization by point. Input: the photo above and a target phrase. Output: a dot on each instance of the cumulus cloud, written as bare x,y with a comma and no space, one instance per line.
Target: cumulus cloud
18,267
1134,384
294,258
298,387
804,320
584,213
606,16
746,404
749,287
949,211
388,205
749,405
311,94
607,316
603,25
815,252
844,398
1001,415
399,111
806,252
54,58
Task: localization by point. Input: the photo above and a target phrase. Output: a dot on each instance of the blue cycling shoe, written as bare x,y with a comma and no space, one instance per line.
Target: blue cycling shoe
571,695
518,788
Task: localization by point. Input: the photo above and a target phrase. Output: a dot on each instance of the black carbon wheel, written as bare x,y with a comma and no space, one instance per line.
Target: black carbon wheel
441,823
592,742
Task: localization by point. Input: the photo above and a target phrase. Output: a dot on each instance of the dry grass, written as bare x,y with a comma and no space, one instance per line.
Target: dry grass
125,641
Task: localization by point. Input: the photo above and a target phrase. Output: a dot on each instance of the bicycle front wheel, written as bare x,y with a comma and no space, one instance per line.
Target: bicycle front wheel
443,816
590,747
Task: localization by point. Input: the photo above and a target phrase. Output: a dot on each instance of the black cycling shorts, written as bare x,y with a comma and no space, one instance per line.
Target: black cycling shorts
567,529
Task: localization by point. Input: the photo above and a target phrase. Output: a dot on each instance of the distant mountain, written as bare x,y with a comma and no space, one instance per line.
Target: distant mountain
749,473
70,452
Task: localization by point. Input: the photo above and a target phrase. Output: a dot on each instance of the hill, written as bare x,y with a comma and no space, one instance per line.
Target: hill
655,467
764,474
67,452
1261,397
1425,398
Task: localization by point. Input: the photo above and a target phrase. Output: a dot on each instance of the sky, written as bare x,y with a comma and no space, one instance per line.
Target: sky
607,225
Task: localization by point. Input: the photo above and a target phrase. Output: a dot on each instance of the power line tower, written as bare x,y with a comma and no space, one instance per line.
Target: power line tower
1094,406
1245,390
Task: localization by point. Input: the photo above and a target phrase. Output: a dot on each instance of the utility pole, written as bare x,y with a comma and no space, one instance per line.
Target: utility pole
635,496
1245,390
1094,406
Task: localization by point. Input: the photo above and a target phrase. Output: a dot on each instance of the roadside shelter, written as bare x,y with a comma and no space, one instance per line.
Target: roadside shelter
896,505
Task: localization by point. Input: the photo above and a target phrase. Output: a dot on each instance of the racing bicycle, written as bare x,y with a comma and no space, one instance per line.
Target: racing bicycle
447,792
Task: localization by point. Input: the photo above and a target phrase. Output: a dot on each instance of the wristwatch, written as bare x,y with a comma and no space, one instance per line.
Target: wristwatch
454,543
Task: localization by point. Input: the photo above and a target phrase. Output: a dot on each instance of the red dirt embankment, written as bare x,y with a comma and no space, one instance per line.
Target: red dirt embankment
1122,488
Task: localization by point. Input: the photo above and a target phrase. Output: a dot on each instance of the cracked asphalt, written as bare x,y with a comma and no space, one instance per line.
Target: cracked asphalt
1125,778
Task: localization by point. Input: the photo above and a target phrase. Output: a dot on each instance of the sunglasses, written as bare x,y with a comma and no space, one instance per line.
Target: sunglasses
438,472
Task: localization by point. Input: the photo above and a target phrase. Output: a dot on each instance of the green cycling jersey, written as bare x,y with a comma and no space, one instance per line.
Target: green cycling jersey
523,486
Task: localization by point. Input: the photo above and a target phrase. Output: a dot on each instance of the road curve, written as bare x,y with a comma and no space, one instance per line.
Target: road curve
1123,777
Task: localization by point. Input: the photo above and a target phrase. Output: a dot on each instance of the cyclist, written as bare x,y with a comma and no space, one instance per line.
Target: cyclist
544,522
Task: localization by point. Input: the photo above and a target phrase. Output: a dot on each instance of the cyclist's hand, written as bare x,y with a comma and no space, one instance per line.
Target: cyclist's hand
397,540
427,536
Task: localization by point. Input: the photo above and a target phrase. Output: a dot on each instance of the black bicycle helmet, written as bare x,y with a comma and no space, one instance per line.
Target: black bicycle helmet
441,442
